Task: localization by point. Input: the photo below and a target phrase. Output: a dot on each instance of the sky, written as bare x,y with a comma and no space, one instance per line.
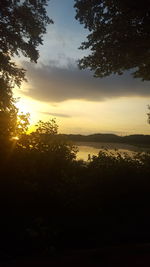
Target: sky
81,104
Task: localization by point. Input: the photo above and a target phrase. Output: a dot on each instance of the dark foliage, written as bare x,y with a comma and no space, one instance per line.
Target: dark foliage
119,36
49,201
22,25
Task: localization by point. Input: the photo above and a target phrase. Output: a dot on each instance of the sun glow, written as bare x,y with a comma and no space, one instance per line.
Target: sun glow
127,115
28,106
24,106
15,138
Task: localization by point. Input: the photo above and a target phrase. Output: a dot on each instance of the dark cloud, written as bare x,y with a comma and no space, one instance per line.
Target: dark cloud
56,114
51,83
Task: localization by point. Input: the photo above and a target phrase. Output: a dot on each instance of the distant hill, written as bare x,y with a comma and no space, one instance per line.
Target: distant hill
137,139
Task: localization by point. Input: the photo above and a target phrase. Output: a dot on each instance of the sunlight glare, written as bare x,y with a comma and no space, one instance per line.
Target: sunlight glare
15,138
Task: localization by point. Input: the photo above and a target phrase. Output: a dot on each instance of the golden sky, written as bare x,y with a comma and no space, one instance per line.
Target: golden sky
80,103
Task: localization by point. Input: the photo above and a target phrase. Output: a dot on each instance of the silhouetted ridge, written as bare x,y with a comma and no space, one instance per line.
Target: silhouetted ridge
138,139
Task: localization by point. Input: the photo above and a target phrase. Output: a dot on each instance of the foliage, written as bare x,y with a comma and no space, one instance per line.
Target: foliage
45,140
13,124
52,200
22,124
119,36
22,25
50,127
41,138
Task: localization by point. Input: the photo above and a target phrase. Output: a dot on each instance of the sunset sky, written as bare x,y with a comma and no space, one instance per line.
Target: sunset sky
80,103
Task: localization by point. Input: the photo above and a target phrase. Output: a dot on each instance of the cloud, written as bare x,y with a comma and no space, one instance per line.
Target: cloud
56,114
52,83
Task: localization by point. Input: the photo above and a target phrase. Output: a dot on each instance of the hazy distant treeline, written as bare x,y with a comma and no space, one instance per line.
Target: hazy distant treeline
137,139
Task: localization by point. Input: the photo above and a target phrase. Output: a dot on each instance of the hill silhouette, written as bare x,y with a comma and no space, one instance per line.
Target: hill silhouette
136,139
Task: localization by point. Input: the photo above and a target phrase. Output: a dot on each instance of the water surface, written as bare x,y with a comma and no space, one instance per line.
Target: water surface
93,148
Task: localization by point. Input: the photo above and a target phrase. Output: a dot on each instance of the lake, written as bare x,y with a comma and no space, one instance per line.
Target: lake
93,148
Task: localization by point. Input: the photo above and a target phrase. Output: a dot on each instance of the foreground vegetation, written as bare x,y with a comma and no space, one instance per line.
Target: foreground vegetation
50,201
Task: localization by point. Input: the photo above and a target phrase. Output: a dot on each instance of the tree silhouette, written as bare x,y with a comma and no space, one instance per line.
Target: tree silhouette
8,112
45,140
22,124
22,25
49,127
119,36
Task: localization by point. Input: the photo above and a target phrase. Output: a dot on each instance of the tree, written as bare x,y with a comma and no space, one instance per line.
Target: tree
119,37
47,128
44,135
46,141
8,111
22,124
22,25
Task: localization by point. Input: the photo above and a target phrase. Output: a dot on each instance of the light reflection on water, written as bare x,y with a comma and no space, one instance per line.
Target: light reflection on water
93,148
